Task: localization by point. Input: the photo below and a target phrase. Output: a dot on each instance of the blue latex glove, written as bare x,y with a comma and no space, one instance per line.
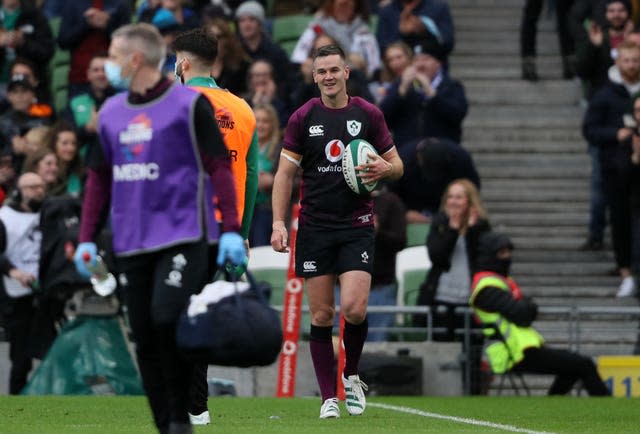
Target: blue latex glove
82,250
231,248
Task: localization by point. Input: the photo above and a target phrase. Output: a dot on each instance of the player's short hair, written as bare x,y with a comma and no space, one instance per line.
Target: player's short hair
145,38
200,42
329,50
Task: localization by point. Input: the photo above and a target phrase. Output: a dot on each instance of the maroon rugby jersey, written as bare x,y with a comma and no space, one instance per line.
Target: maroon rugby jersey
320,134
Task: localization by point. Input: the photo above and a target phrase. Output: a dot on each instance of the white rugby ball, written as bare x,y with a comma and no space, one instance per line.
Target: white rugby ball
357,153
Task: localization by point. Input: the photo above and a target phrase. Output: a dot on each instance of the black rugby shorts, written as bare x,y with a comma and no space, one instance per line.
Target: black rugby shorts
321,251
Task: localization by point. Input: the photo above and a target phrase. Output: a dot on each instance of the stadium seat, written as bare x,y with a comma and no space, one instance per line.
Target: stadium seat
412,266
373,23
288,28
60,57
417,234
61,98
54,24
270,266
59,77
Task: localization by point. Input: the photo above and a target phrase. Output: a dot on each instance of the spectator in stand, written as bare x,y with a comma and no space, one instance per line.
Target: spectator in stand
529,31
7,173
397,58
85,29
346,22
259,46
82,111
21,117
53,8
232,64
36,138
171,18
45,163
305,87
64,142
27,68
596,51
414,20
604,127
20,240
25,33
635,193
430,165
425,102
263,89
270,143
390,237
452,246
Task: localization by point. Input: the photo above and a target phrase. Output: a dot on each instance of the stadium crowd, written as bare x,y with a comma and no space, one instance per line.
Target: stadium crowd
398,52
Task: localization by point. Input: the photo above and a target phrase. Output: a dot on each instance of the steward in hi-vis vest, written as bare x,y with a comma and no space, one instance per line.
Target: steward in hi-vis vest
506,316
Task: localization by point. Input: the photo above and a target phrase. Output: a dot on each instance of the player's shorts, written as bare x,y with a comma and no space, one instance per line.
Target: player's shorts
320,251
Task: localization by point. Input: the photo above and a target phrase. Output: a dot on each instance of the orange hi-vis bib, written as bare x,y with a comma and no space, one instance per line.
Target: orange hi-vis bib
237,124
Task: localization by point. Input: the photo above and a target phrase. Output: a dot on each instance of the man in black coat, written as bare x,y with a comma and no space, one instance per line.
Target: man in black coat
425,102
604,126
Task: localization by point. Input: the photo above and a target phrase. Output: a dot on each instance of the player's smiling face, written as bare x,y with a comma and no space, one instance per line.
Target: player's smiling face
330,74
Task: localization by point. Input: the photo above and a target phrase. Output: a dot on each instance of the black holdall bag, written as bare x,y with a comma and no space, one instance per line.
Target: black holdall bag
230,324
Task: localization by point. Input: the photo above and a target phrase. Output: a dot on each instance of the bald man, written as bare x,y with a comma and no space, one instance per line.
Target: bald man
20,240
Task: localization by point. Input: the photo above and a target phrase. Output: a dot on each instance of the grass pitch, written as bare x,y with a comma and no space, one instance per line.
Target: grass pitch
398,415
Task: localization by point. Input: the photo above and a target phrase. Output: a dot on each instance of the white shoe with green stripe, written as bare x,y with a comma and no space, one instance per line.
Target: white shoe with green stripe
354,390
330,409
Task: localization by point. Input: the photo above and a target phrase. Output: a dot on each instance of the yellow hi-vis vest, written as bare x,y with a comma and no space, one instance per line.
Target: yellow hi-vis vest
502,355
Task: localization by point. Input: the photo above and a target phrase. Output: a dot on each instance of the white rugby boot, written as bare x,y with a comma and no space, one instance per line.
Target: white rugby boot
354,389
330,409
200,419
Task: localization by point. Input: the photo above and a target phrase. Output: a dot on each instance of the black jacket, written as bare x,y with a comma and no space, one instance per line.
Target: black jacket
441,242
39,45
415,116
603,119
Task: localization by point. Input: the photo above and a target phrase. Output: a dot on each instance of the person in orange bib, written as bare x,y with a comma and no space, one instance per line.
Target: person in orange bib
196,51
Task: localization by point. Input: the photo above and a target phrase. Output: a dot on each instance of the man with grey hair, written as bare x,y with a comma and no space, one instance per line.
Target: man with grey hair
161,166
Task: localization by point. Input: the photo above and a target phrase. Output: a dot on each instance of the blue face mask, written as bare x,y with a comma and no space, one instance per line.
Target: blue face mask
113,71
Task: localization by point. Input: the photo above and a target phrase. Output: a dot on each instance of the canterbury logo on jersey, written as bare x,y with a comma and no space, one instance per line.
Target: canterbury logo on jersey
316,130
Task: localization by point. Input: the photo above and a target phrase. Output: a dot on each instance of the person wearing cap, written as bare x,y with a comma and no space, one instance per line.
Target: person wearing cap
23,115
425,101
506,316
258,44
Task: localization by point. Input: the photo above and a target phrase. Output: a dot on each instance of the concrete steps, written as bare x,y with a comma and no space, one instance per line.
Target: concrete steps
526,141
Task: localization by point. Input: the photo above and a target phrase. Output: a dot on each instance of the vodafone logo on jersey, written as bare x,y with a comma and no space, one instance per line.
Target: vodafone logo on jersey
334,150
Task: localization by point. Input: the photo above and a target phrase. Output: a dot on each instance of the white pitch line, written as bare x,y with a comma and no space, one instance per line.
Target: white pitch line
466,420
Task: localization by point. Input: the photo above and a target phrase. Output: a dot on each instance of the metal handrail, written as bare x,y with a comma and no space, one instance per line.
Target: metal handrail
574,314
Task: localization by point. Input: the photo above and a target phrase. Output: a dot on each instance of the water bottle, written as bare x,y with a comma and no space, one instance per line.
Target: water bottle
237,270
104,283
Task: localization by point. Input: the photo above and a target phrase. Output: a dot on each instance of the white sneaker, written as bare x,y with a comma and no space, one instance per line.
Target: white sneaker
330,409
627,288
354,390
200,419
